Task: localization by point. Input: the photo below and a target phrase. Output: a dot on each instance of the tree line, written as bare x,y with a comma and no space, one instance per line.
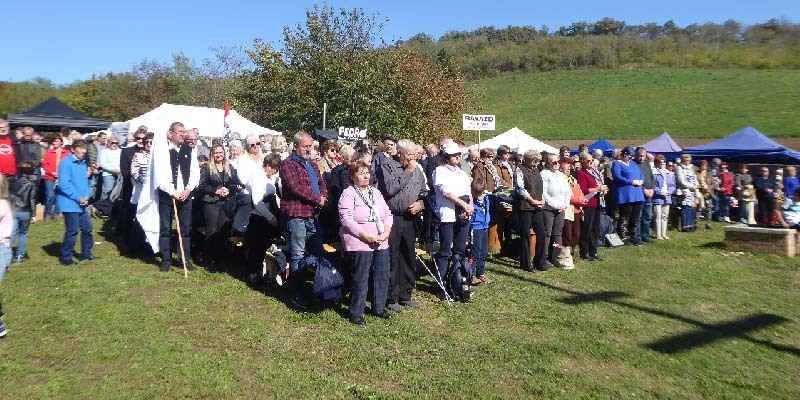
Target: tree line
610,43
412,88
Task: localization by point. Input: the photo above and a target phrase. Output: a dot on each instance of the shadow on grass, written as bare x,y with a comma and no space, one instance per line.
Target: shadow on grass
52,249
704,335
712,245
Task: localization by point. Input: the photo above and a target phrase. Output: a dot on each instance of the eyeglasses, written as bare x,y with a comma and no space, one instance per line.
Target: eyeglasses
190,140
139,139
148,142
114,142
253,144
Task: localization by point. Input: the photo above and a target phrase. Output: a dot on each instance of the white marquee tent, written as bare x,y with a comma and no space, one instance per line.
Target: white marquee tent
517,140
208,120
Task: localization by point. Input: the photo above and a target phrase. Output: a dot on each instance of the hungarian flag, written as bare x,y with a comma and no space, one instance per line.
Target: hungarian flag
226,135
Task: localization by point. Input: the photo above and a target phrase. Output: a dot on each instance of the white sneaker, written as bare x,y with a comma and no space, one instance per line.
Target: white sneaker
727,219
569,267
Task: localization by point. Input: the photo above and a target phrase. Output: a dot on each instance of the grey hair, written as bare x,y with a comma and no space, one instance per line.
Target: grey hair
584,156
347,152
532,155
406,145
250,137
298,137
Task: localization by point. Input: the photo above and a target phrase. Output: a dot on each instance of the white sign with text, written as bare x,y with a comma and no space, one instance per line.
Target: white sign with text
352,133
478,122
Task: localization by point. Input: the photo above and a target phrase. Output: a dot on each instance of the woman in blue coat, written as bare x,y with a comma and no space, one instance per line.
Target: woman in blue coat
628,194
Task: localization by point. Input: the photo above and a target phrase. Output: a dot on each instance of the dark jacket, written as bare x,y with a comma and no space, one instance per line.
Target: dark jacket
125,158
210,183
30,152
532,181
23,194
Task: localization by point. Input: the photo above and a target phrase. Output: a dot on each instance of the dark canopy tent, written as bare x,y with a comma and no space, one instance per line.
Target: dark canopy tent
323,135
746,146
52,115
663,145
602,144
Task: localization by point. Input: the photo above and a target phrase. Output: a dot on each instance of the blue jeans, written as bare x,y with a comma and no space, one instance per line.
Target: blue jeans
108,183
363,262
687,216
301,233
50,207
22,220
5,260
647,217
75,221
723,206
453,240
480,249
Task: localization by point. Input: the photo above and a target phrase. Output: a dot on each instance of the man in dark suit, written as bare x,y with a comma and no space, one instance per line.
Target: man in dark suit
176,189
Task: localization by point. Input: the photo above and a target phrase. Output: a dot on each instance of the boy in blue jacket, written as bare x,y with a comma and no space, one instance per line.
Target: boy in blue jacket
72,198
479,223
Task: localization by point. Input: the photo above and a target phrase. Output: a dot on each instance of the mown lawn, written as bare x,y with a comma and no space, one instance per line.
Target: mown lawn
643,103
682,319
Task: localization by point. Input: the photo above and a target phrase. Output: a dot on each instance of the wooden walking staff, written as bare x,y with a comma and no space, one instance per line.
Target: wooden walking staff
180,238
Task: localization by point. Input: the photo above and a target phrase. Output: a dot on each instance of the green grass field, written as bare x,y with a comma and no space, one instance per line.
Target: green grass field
682,319
643,103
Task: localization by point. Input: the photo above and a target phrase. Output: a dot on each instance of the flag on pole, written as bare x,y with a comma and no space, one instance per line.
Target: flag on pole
226,134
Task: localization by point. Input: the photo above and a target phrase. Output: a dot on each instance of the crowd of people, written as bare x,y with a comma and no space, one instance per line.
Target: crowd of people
375,206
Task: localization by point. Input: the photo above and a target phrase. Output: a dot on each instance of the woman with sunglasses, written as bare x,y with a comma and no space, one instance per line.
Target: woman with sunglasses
139,163
454,207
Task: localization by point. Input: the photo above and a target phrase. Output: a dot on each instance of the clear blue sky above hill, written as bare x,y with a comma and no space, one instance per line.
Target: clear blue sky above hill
66,41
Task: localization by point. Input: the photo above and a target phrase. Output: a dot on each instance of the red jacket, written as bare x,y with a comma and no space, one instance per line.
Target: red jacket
49,163
726,183
8,160
586,181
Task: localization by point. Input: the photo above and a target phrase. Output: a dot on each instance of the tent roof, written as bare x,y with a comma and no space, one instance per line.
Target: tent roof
517,140
604,145
662,144
746,145
208,120
52,114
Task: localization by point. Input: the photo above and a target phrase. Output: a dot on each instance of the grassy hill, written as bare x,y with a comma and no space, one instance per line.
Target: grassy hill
642,103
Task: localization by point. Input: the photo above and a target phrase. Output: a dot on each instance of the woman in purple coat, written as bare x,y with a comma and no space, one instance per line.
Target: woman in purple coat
628,194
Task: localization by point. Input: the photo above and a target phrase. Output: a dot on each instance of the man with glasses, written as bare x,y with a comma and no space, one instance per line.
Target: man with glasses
176,188
649,190
127,212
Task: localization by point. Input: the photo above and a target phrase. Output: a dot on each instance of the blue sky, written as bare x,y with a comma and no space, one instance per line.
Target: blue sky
66,41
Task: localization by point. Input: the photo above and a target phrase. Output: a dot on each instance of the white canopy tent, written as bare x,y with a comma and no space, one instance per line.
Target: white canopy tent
208,120
517,140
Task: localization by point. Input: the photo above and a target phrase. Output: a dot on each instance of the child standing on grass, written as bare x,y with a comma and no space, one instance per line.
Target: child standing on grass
6,226
480,230
23,197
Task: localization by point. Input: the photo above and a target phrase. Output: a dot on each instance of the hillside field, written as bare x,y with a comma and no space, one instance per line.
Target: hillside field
643,103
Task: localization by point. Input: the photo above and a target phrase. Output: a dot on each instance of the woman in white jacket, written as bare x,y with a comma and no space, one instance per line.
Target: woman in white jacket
556,194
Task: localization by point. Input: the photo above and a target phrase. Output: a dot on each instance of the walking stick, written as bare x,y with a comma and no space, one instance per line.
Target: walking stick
436,278
180,238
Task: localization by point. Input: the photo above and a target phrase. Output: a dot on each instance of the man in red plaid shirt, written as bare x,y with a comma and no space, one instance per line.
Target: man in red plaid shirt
303,194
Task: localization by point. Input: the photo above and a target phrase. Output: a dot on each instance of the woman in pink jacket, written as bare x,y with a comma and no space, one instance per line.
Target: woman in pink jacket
366,223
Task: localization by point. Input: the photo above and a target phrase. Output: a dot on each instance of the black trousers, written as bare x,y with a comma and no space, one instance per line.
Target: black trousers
531,219
216,229
629,216
166,213
590,231
401,258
